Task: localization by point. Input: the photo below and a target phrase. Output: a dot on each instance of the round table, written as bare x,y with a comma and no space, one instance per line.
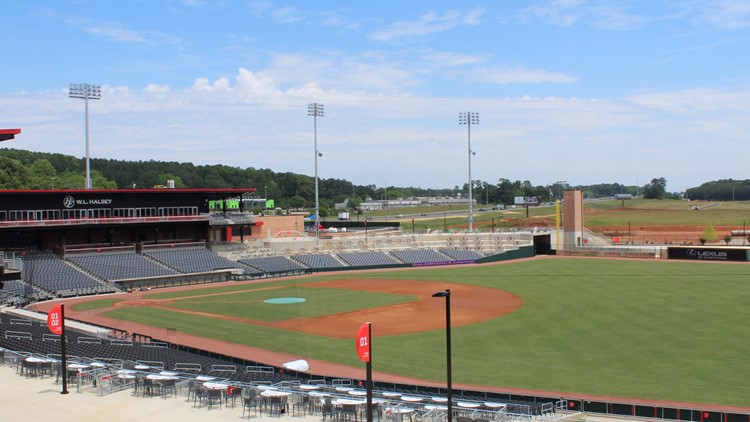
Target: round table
204,378
160,377
34,359
274,393
344,389
358,392
78,366
309,387
318,394
468,404
169,373
495,405
412,399
344,401
215,385
440,399
141,367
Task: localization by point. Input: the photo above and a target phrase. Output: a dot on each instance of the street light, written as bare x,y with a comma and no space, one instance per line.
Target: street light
316,110
469,118
447,295
86,92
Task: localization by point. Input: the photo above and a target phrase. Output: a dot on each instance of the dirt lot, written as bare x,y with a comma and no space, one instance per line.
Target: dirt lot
664,235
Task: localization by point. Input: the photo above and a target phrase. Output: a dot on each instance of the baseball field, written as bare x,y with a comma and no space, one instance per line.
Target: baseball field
656,330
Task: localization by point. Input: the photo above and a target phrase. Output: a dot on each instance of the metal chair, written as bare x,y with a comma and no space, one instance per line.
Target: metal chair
250,400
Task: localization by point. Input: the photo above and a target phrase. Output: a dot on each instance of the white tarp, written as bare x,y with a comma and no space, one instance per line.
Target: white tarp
299,365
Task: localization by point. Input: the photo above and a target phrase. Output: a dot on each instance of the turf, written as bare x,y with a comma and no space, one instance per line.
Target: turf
94,304
318,302
639,329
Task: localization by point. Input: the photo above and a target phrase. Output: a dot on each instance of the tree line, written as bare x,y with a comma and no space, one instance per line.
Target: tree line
721,190
21,169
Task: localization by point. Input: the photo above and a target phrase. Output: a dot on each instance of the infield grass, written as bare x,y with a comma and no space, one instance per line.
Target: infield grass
639,329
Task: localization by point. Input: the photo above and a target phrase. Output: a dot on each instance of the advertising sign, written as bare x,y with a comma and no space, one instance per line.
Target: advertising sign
54,319
707,254
362,342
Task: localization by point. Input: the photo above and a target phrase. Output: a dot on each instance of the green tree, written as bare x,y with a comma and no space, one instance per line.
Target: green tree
13,175
42,175
656,189
709,233
727,239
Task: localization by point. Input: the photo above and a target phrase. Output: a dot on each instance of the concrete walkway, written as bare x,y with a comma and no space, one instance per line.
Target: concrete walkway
33,399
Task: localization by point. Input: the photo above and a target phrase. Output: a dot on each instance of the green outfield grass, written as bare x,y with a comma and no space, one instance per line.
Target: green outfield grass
639,329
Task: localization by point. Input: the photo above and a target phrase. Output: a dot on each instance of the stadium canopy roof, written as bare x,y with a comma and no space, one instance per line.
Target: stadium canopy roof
8,134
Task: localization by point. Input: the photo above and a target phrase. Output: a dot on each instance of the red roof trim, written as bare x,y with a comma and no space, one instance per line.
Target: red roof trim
8,134
147,190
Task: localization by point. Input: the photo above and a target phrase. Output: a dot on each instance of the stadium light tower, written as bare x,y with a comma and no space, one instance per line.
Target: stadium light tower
469,118
316,110
87,92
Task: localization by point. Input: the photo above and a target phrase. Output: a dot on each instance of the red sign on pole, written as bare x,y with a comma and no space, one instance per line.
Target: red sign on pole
363,342
54,319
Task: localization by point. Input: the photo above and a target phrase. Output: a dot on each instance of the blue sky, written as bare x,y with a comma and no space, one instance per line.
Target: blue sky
568,90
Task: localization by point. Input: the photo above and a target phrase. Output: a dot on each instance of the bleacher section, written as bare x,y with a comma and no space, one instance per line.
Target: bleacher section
272,264
48,272
320,260
419,255
461,254
191,260
367,259
119,266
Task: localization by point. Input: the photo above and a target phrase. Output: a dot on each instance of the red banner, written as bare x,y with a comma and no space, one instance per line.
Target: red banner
363,342
54,319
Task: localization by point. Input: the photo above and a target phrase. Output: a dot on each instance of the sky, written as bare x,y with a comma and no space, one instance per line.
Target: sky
581,91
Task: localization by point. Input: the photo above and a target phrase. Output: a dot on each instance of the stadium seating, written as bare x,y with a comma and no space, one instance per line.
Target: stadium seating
47,271
272,264
413,256
461,254
191,260
119,266
320,260
367,259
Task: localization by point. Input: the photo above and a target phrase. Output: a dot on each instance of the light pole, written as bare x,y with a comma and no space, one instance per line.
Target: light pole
316,110
449,377
86,92
469,118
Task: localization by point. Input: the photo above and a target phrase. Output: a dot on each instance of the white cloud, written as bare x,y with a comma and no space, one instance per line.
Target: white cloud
156,89
601,14
287,14
504,76
695,100
428,23
724,14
